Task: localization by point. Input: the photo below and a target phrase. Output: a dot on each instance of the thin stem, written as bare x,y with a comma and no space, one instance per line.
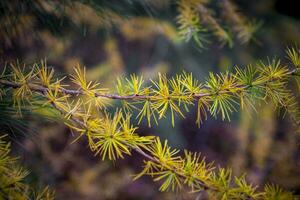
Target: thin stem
42,89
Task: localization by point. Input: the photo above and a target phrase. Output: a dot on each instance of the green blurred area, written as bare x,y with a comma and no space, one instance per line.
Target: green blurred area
264,145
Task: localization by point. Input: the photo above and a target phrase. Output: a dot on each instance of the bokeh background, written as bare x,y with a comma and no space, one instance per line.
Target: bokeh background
117,38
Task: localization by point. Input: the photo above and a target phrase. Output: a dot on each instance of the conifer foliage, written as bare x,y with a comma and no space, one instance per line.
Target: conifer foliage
112,136
12,175
196,20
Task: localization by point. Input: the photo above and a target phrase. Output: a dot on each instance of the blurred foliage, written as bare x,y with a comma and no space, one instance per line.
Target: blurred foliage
12,178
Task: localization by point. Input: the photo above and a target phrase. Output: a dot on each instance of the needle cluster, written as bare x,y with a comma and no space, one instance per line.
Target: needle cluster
12,175
196,19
